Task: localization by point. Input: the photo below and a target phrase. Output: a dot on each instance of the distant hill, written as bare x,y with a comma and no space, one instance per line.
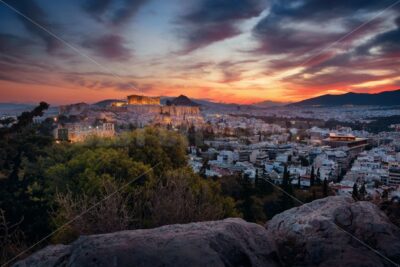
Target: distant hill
388,98
105,103
15,109
183,100
16,106
269,104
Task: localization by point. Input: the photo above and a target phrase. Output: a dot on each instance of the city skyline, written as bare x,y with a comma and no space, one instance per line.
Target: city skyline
240,51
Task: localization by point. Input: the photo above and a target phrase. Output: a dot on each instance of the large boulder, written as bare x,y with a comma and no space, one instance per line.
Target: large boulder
231,242
335,231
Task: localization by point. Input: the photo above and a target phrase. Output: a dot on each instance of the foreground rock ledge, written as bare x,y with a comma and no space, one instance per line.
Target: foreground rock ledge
231,242
327,232
315,234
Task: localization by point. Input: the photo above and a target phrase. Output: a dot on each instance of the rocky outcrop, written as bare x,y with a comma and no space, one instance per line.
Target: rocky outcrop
231,242
335,231
183,100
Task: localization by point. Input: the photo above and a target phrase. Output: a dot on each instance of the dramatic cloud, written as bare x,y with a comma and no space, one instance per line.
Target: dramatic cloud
30,9
320,37
211,21
13,45
109,47
116,12
96,8
284,50
302,26
127,11
385,43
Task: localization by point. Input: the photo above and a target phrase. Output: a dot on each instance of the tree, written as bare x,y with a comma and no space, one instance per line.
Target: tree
325,188
286,199
192,135
355,192
156,147
318,178
12,240
204,167
312,177
304,161
182,197
362,192
23,145
247,193
257,180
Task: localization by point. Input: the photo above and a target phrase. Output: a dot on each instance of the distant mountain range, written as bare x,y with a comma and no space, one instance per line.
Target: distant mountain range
388,98
15,109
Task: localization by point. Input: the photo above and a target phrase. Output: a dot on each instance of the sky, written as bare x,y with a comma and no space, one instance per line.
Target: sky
232,51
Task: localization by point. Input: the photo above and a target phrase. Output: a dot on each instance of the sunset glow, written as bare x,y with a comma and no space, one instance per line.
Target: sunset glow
241,51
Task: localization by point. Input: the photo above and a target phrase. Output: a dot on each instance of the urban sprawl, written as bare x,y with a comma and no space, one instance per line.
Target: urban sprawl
314,145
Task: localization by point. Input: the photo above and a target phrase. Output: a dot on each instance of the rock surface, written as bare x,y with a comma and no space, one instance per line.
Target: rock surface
231,242
335,231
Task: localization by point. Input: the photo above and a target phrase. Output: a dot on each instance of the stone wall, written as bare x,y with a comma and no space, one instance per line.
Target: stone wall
180,110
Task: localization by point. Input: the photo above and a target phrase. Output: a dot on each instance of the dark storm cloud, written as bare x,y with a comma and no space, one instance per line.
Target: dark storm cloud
96,8
14,45
277,32
318,10
387,46
214,20
386,43
18,65
116,12
128,10
109,46
276,38
32,10
301,31
101,83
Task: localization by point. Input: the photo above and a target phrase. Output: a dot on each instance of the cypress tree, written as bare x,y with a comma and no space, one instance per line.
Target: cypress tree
325,188
355,192
286,200
318,179
362,192
312,177
257,180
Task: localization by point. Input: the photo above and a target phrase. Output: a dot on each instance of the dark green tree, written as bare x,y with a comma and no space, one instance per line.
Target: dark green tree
312,177
247,196
318,177
355,192
286,198
257,180
192,135
23,146
325,188
362,192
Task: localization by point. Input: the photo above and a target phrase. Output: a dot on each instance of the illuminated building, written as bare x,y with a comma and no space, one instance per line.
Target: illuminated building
78,132
394,174
143,100
355,145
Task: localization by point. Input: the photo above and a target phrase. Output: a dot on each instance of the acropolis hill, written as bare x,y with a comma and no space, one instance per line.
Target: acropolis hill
139,110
